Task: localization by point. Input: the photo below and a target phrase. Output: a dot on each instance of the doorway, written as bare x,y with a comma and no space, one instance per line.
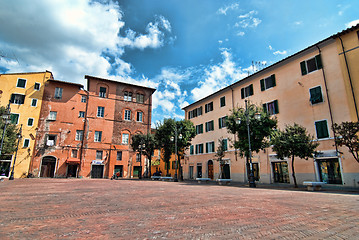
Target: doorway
280,172
226,171
118,169
199,170
190,172
137,171
329,171
48,165
72,170
97,171
210,169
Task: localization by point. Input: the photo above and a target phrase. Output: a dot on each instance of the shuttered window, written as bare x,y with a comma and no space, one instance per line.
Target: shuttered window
271,107
268,82
247,91
311,65
316,95
321,128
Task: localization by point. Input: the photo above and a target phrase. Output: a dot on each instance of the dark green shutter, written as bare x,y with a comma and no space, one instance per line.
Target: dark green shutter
242,93
262,85
12,100
207,147
276,109
220,123
273,80
265,107
322,129
251,90
225,147
318,60
303,68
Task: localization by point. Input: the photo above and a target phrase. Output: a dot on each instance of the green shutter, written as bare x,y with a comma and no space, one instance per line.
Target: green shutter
276,109
318,60
262,85
273,80
220,123
207,147
251,90
265,107
322,129
14,118
242,93
225,147
191,150
12,100
303,68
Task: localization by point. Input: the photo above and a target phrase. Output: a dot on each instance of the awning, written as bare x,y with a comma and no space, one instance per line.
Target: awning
73,161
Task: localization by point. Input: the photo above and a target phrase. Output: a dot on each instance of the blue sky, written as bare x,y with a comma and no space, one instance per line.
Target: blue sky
186,49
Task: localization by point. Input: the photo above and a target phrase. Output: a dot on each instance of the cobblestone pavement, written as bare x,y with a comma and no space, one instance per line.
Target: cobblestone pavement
129,209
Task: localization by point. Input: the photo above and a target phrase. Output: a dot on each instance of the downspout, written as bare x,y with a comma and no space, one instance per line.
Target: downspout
329,105
235,138
350,79
84,132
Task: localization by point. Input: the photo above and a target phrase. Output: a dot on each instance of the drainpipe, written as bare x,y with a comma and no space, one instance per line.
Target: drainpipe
84,133
329,105
235,138
350,79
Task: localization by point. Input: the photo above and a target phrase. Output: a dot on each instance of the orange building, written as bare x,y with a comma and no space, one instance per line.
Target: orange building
311,88
87,133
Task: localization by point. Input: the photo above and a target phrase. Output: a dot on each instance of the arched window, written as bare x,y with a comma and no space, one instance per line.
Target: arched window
127,115
139,117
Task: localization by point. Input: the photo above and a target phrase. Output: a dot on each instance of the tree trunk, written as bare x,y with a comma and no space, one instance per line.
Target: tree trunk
293,173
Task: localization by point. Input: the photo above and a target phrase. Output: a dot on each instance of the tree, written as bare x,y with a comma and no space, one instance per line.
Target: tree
260,129
10,140
293,142
347,135
221,151
149,145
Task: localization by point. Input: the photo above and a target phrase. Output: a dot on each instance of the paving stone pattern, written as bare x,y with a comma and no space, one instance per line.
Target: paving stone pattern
125,209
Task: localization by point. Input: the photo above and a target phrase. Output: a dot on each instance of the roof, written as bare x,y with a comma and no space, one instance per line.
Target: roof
277,63
71,83
129,84
46,71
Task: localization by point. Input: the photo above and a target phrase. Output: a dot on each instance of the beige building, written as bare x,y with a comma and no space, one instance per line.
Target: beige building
310,88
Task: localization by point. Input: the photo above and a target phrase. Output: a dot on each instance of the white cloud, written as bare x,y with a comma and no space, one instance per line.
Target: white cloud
270,47
241,34
68,40
248,20
280,52
298,23
225,9
352,23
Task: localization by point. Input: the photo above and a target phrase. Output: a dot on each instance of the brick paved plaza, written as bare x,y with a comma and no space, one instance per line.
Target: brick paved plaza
125,209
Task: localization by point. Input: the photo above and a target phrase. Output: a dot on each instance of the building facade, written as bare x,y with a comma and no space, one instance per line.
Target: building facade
309,88
24,92
87,133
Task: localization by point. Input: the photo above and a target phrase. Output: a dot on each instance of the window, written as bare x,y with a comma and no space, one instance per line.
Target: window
98,136
51,140
99,154
30,122
81,114
102,92
79,135
37,86
191,150
222,122
271,108
255,167
15,118
125,138
21,83
195,112
33,102
139,98
209,147
52,116
138,157
58,93
199,129
311,65
209,126
208,107
26,143
268,82
199,148
17,98
247,91
127,96
83,99
74,153
222,101
100,111
225,144
127,115
321,128
139,116
316,95
119,156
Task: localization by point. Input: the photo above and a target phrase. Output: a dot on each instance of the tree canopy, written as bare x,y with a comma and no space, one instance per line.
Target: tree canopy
148,140
9,145
293,142
347,134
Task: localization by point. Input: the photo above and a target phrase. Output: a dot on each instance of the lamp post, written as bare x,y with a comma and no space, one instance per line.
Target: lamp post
140,173
6,116
257,116
19,136
176,156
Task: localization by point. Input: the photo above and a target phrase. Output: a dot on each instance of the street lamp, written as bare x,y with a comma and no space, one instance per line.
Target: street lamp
7,119
19,136
141,147
176,155
257,116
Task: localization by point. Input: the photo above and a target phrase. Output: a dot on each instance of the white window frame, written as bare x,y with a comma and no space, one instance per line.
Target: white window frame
79,135
33,120
52,116
28,143
139,116
16,100
17,83
83,99
81,114
98,136
74,151
18,118
125,140
35,101
127,115
58,93
39,86
98,152
100,113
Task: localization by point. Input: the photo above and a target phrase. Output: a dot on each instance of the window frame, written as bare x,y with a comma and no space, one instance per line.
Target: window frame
52,116
18,82
247,91
39,86
264,82
74,151
32,124
123,138
17,98
199,129
119,156
127,115
222,101
32,101
321,99
83,99
54,136
58,93
26,140
140,98
276,107
102,94
79,135
209,126
99,153
326,128
210,147
81,114
139,113
127,96
304,64
100,112
208,107
98,136
222,122
18,118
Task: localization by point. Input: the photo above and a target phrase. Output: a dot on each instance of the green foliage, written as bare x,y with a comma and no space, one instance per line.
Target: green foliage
260,129
221,151
10,140
138,140
347,135
294,141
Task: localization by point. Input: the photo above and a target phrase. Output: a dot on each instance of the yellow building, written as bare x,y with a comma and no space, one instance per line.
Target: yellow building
24,91
158,165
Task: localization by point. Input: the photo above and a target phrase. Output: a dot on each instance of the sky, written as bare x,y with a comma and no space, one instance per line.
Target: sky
186,49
